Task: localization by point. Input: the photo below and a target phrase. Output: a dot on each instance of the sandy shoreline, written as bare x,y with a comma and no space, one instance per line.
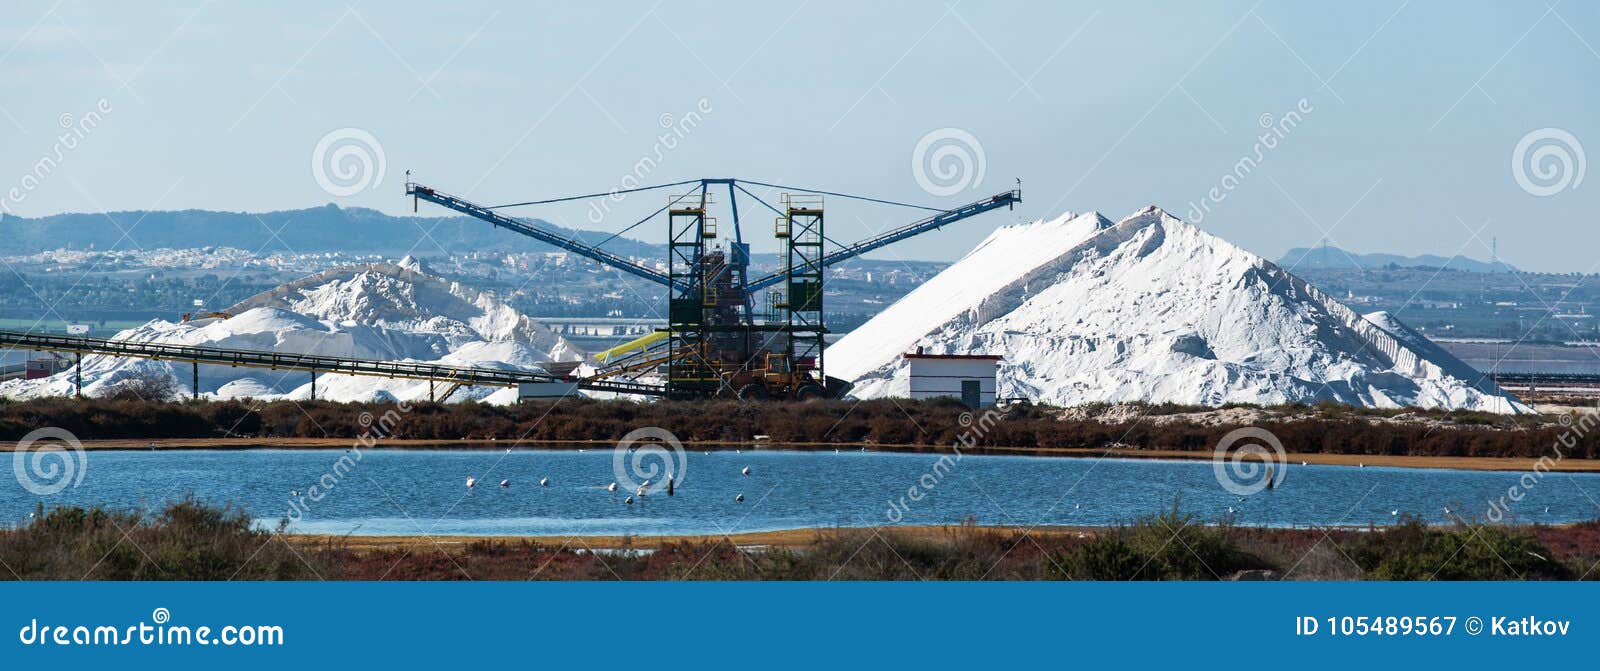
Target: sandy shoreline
787,538
1397,461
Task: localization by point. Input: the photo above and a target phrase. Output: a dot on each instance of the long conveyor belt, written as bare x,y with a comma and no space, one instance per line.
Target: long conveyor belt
313,363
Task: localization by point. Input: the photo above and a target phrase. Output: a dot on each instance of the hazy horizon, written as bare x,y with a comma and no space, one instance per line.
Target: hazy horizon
1383,127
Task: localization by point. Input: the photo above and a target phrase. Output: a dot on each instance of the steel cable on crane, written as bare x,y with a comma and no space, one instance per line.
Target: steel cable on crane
648,217
844,195
780,212
593,195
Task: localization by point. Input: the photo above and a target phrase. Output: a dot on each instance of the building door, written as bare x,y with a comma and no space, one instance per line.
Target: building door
971,393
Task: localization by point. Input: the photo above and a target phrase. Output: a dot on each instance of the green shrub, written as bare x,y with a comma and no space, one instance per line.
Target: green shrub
1107,557
1169,545
1412,550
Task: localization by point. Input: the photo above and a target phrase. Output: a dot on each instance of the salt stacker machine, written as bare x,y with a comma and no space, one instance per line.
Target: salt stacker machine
721,340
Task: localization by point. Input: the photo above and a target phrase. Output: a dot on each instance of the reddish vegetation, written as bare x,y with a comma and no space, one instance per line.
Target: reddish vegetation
913,425
1572,543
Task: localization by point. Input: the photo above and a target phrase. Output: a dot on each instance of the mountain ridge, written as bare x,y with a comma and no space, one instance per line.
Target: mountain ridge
328,228
1333,258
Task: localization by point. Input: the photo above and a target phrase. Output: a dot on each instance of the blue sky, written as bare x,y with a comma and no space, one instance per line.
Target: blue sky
1415,110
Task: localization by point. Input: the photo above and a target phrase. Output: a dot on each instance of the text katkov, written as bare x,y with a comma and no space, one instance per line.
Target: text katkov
1528,626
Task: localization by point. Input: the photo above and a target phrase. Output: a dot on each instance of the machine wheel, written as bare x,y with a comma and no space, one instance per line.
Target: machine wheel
808,392
753,392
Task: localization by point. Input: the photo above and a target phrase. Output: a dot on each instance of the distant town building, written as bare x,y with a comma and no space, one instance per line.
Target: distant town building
969,377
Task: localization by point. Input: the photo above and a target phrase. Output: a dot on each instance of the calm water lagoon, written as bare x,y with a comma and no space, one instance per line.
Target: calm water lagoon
423,492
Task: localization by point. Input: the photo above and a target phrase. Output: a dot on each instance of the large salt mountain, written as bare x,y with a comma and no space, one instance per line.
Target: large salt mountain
395,312
1153,309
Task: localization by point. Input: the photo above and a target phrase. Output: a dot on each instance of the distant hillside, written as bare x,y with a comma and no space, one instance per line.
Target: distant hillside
1334,258
321,229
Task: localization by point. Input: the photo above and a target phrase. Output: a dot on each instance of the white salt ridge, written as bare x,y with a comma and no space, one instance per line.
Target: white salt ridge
393,312
1154,309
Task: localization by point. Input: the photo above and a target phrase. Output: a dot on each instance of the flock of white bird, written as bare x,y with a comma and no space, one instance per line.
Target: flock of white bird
644,488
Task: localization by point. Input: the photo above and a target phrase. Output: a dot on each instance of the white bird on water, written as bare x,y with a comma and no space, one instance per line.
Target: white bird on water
739,498
1394,513
505,483
544,482
471,482
611,487
628,500
746,471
